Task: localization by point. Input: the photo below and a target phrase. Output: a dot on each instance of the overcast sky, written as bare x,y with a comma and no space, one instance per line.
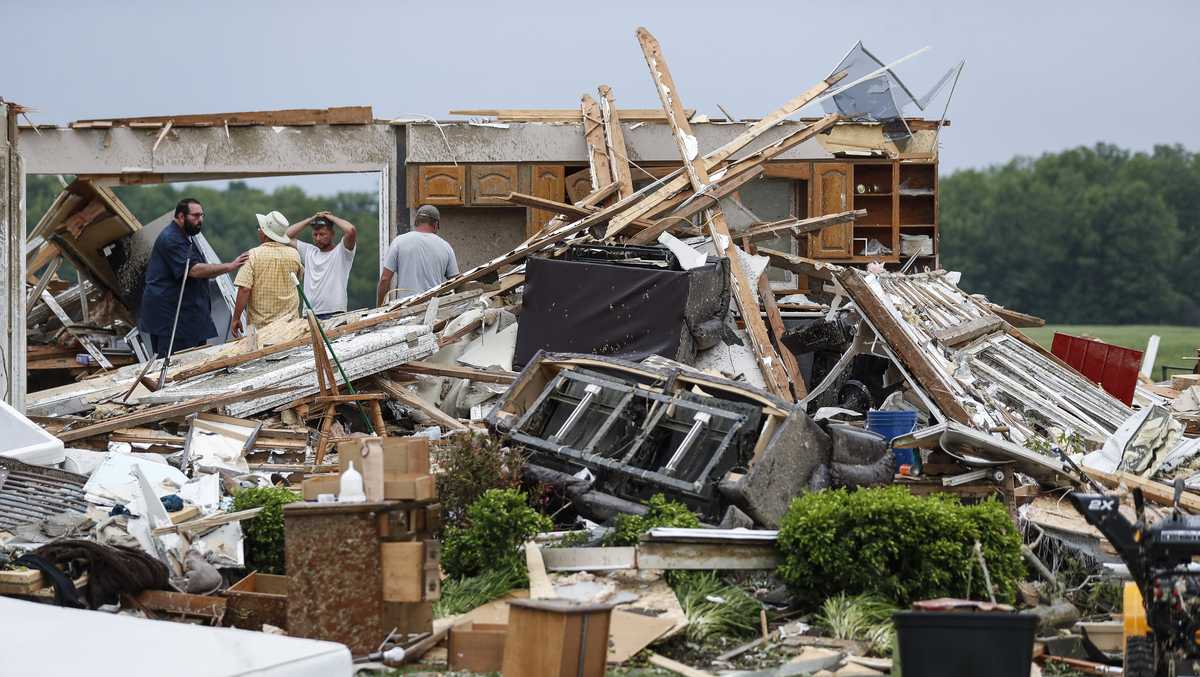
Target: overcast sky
1040,76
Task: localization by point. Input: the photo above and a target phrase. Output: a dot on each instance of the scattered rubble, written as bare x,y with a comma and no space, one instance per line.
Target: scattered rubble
619,361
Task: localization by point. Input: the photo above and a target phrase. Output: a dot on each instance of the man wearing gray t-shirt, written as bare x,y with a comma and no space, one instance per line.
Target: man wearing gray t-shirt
418,260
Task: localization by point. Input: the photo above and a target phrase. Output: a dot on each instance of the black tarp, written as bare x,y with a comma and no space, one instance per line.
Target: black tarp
621,309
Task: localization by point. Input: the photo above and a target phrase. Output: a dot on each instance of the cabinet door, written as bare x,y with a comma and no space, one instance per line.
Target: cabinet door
441,185
830,193
546,181
579,185
490,184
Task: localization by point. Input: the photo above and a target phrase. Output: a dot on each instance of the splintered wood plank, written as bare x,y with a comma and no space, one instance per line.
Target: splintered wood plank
165,411
399,392
679,180
458,371
559,114
344,115
801,226
775,322
597,147
614,139
769,362
716,192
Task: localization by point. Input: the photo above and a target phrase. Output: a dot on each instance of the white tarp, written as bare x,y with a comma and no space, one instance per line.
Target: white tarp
40,639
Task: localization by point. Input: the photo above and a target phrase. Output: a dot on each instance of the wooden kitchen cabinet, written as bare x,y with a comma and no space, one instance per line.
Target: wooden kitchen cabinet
830,192
441,185
548,181
489,185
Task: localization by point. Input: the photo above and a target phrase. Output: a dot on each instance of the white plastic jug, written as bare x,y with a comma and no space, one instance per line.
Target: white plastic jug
351,489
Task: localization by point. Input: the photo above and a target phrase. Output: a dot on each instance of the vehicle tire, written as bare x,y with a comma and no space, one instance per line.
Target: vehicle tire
1139,656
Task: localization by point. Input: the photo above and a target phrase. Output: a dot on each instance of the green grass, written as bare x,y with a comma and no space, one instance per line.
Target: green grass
1174,341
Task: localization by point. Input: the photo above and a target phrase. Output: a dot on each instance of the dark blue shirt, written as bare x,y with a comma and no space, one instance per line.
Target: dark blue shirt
168,260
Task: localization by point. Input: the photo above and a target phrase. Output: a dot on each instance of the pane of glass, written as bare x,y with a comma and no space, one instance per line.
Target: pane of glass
772,200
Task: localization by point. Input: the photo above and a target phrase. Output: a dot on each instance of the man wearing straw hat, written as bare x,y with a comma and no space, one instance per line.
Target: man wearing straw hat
265,288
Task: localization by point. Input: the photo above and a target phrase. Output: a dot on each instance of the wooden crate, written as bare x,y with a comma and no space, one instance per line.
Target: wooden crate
256,600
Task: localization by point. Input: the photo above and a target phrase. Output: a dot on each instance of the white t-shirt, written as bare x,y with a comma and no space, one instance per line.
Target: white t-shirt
326,275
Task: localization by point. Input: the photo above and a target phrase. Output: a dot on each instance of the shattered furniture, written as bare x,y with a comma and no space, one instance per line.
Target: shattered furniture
627,302
638,430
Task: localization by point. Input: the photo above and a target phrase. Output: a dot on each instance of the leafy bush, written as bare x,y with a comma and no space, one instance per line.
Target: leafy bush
714,608
264,532
464,594
469,466
497,524
865,618
899,546
663,513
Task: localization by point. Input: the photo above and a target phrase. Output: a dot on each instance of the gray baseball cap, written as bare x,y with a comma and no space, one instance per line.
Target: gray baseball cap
428,213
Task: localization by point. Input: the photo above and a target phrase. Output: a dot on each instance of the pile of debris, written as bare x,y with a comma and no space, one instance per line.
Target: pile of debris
653,359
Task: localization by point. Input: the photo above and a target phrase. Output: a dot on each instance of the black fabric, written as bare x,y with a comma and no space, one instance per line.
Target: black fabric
65,592
620,310
112,570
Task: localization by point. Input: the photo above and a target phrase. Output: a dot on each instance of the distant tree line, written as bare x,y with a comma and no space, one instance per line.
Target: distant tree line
1094,235
1086,236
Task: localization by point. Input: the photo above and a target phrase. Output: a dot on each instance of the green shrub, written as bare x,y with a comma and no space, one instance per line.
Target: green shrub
496,525
264,532
460,595
469,466
663,513
714,608
865,618
901,547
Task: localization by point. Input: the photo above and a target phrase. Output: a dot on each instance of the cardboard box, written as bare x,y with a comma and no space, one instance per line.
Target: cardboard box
477,647
403,567
409,618
392,467
410,488
316,485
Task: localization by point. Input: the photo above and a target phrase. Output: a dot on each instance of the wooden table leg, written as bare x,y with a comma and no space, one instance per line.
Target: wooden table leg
326,428
377,419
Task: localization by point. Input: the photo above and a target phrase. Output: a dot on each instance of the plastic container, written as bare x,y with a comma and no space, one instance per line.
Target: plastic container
893,424
25,441
978,644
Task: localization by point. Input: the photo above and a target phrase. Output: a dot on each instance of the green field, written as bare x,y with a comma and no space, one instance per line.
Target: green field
1174,342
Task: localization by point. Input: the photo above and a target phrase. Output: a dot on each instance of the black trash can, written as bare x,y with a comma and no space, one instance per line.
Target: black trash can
979,644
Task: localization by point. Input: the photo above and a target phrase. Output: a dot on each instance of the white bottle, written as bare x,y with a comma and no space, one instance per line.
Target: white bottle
351,489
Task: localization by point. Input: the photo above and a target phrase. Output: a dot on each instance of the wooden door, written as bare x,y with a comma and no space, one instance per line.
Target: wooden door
546,181
491,184
441,185
830,193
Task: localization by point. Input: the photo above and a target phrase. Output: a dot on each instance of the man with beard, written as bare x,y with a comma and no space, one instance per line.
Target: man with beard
174,254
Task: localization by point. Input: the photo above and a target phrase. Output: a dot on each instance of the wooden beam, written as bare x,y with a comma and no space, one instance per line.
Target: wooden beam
344,115
775,324
163,411
456,371
769,361
614,139
676,667
593,134
1015,318
968,330
679,181
798,264
715,192
1157,492
399,392
572,211
801,226
559,114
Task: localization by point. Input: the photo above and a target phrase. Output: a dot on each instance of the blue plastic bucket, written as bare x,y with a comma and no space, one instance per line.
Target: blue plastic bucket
893,424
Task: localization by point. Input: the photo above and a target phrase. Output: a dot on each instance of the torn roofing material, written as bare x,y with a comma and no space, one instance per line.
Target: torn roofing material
975,368
29,493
